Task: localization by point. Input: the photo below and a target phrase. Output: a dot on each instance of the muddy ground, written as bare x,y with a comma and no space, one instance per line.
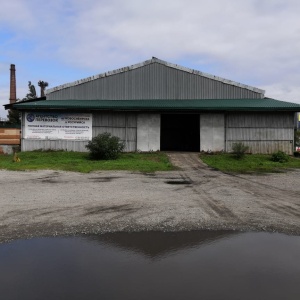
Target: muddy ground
49,203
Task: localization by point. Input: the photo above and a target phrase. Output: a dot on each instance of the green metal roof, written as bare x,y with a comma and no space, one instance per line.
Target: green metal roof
265,104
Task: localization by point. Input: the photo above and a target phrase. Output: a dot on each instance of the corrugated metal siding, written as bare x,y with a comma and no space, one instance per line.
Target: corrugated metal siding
122,125
76,146
153,81
271,120
260,134
265,147
263,133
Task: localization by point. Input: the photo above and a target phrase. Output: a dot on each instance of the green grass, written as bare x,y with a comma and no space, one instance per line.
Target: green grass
253,163
80,162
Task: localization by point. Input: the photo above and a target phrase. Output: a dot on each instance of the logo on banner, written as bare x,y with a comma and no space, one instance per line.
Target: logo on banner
30,117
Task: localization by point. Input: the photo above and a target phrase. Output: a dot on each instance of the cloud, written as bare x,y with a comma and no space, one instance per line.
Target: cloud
256,42
247,40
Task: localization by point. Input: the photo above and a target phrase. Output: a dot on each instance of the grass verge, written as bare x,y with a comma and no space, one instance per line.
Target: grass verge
80,162
253,163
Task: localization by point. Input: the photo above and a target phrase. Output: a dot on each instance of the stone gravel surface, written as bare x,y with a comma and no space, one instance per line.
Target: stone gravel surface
195,197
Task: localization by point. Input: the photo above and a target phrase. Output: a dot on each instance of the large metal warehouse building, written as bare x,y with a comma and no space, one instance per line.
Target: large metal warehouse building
156,105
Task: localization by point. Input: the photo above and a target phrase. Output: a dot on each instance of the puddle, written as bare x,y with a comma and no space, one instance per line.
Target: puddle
153,265
103,179
178,182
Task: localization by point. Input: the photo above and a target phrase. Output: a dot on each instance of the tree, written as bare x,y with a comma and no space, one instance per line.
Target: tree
14,116
32,92
43,85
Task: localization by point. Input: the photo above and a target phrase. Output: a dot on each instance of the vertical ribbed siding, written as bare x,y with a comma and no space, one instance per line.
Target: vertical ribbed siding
76,146
122,125
262,132
153,81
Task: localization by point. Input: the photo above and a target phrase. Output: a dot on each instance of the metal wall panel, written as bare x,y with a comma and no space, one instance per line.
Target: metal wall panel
76,146
262,132
271,120
122,125
265,147
153,81
259,134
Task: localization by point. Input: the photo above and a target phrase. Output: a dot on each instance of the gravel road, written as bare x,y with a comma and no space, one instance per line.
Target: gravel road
49,203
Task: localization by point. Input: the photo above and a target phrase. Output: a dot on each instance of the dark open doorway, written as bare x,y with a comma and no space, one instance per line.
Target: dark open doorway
180,132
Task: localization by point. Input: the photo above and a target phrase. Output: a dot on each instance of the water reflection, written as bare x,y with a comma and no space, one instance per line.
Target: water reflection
153,265
160,244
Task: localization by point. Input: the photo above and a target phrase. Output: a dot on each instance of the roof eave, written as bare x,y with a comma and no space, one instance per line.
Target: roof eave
162,109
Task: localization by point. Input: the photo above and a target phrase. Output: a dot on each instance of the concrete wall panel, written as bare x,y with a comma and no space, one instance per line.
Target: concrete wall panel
212,132
148,132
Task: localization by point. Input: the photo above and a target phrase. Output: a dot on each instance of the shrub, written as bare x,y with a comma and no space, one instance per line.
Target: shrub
239,150
104,146
279,156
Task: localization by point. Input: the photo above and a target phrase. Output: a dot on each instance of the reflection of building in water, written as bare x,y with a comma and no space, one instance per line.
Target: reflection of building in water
154,244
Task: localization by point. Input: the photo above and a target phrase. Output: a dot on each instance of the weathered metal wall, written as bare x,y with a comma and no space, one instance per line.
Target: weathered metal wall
122,125
76,146
262,132
153,81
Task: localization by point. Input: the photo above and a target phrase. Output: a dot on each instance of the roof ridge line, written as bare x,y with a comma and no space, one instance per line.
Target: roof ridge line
148,62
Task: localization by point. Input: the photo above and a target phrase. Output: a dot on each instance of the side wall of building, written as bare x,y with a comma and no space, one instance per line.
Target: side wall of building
262,132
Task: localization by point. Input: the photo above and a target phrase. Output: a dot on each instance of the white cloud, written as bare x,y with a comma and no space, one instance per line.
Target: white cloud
256,42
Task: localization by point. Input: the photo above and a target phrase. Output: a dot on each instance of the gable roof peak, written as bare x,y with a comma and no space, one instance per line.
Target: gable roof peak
152,61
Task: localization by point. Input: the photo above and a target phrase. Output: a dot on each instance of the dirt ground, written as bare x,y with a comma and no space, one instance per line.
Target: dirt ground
49,203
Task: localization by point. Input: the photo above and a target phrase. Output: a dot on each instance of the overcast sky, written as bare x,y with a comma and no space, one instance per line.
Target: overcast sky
255,42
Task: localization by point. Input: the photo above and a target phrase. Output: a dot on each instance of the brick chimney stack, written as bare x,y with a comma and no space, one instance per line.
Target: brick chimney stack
13,85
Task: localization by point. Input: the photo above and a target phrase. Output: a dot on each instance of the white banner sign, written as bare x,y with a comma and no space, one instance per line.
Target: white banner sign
58,126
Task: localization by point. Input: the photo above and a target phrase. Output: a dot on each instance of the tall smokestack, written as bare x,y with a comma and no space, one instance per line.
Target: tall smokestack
13,85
